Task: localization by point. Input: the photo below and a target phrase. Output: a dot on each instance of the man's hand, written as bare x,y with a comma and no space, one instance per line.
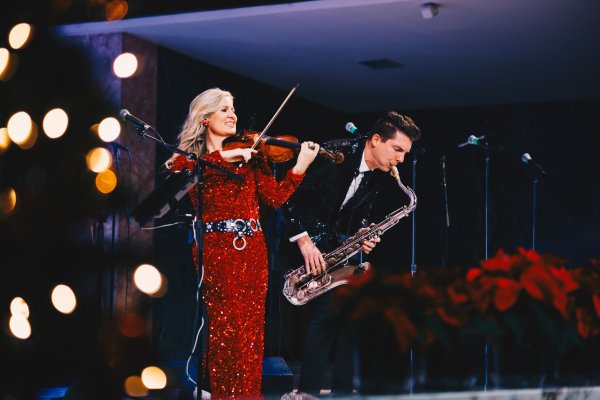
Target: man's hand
369,245
313,259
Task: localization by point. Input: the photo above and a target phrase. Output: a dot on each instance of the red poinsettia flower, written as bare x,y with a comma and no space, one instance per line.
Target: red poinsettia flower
566,279
506,294
596,300
482,292
530,255
541,284
473,273
456,297
500,262
583,322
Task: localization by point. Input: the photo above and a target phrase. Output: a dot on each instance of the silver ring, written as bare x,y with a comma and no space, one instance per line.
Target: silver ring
253,224
235,246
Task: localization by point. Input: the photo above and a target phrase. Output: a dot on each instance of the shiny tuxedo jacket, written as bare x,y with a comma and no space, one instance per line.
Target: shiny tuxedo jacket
315,205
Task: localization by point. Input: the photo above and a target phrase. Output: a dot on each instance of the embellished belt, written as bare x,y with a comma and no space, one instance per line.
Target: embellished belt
238,226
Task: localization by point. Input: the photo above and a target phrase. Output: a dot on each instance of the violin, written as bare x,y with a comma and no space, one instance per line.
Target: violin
273,149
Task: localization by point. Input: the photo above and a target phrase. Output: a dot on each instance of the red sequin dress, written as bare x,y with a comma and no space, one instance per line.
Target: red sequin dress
235,282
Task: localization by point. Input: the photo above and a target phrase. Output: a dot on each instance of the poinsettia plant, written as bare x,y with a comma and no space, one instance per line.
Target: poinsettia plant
526,297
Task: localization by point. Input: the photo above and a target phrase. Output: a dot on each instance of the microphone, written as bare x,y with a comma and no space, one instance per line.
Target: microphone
136,122
352,129
477,141
526,158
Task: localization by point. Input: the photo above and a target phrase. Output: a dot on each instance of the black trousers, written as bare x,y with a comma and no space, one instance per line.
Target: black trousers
324,329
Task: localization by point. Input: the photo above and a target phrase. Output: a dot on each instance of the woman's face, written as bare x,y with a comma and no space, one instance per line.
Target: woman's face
223,121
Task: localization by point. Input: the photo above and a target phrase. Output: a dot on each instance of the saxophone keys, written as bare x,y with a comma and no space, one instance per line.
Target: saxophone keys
313,284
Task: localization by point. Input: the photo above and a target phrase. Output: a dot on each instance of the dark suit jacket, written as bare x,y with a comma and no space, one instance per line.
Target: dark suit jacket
315,206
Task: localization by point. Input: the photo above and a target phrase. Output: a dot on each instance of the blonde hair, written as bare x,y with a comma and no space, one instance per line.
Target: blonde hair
192,138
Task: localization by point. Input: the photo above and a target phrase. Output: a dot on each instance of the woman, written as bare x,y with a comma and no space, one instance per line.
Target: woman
235,254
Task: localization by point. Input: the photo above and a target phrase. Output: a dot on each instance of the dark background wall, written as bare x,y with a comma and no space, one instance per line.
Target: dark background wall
560,136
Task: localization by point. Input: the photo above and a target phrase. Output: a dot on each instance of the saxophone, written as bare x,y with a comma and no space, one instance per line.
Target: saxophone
300,287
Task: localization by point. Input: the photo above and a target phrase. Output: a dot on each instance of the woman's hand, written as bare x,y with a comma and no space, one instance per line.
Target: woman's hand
308,153
313,259
235,155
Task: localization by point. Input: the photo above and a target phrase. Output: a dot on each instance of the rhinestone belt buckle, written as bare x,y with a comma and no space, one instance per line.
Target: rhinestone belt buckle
240,226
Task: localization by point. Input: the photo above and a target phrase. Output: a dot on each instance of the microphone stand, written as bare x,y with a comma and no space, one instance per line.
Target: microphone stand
534,182
486,201
446,214
486,360
413,265
486,349
200,164
113,235
486,147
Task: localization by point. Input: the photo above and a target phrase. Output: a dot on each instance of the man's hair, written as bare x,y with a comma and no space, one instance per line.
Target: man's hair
391,122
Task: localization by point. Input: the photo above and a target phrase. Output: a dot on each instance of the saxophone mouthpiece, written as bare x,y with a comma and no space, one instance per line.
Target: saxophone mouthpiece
394,174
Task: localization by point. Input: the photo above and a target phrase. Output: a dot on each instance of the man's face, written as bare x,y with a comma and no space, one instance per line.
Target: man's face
383,155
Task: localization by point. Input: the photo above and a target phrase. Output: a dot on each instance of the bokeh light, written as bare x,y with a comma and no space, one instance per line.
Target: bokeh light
98,159
63,299
18,306
125,65
109,129
55,123
94,129
4,140
31,138
148,279
20,35
134,387
8,201
8,64
4,61
19,326
19,127
154,378
106,181
116,9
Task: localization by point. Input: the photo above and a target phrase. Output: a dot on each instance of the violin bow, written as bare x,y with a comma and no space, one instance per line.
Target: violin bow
264,131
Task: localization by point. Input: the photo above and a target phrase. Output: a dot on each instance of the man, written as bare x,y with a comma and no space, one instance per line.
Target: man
332,203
